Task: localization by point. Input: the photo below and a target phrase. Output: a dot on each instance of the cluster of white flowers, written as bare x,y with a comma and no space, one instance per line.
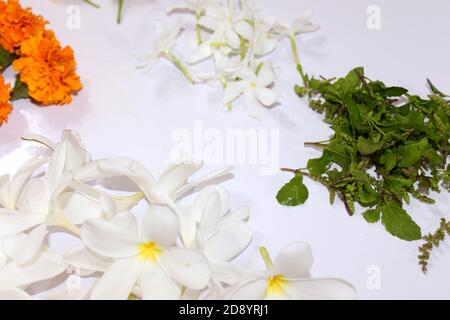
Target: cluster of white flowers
174,249
238,39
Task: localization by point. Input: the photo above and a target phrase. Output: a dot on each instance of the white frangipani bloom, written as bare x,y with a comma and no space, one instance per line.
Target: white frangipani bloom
181,249
288,278
254,87
24,260
147,255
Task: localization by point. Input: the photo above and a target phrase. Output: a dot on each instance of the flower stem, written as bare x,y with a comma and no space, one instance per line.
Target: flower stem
92,3
198,29
179,64
266,258
119,11
297,60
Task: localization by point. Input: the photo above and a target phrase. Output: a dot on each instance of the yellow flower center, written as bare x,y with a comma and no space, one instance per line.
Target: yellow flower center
253,85
275,285
149,251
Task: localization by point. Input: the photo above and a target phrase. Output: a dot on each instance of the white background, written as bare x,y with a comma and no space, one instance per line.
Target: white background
124,111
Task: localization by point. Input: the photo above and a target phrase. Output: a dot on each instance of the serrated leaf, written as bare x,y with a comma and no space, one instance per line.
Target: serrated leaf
388,159
412,153
366,146
320,165
372,215
398,223
293,193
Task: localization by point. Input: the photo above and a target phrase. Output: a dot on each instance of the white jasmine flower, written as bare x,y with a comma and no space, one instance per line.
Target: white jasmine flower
164,43
254,87
198,7
288,278
147,255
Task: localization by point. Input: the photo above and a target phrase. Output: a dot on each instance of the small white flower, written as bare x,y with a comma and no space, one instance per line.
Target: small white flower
165,41
302,24
254,87
288,278
196,6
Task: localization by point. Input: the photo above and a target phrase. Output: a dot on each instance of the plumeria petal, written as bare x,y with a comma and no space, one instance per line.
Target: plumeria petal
13,221
111,239
320,289
294,261
157,285
118,281
188,267
250,288
160,224
23,248
232,238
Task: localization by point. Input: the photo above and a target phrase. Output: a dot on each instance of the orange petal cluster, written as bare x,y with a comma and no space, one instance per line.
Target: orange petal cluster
47,69
17,24
5,106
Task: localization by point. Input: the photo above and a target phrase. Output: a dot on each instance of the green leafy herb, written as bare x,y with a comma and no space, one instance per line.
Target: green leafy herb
432,240
293,193
388,146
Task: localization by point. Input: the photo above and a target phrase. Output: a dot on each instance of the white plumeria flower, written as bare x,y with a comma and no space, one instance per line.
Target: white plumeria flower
164,43
147,256
26,260
211,227
288,278
254,87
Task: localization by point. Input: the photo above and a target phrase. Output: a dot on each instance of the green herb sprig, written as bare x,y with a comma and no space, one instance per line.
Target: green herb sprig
432,240
388,146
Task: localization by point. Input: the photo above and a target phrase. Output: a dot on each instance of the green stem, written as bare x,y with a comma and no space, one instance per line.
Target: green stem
198,29
119,12
92,4
266,258
180,65
297,60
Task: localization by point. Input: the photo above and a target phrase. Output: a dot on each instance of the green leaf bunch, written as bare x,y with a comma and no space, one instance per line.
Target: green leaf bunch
388,146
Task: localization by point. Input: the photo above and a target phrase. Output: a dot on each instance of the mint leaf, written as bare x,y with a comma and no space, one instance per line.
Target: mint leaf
398,223
293,193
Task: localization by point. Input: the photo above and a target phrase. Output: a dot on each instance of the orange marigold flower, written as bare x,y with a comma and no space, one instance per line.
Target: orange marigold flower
5,106
48,69
17,24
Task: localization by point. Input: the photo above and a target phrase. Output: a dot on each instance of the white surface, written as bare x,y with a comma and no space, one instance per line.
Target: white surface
123,111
